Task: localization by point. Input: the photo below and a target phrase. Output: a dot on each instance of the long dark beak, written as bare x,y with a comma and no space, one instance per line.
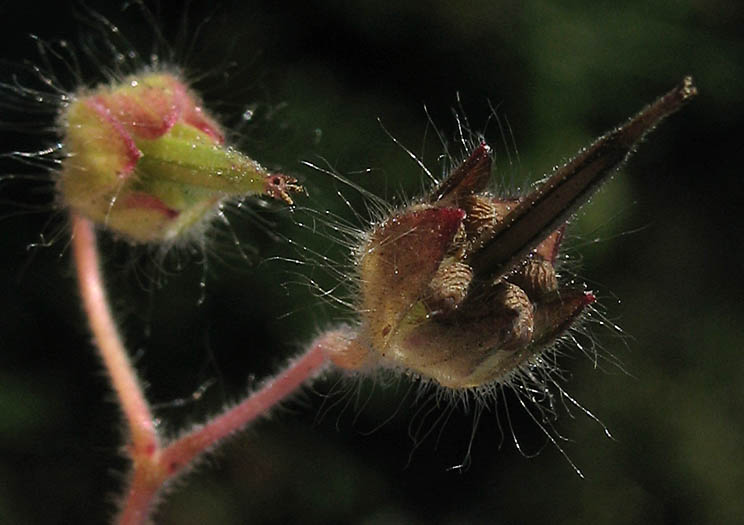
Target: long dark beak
548,207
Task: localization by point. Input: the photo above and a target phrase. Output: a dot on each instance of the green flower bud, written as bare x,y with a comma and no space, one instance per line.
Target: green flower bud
145,160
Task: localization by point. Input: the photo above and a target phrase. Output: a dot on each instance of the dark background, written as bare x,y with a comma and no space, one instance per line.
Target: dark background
660,246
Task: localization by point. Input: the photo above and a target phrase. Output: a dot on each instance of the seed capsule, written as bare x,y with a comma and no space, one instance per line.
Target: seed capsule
462,289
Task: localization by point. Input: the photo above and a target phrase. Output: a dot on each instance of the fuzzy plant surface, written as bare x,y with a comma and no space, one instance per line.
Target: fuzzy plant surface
450,293
458,290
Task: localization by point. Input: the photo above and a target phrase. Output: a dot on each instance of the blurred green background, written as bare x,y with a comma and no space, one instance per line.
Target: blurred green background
660,245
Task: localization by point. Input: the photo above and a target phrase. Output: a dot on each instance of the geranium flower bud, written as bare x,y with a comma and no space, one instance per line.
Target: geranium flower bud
146,161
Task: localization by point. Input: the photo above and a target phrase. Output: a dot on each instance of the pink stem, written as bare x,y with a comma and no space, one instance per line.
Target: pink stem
182,451
144,485
154,466
144,437
151,474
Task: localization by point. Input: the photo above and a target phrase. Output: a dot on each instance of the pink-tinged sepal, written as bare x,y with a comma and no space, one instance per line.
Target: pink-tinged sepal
193,112
114,144
469,178
145,201
147,107
549,248
554,315
399,260
101,158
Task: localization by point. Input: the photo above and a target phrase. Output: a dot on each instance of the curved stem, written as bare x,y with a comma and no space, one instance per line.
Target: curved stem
150,476
154,465
144,437
186,448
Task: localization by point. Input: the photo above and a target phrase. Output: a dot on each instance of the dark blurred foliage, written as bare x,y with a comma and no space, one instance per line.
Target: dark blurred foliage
659,245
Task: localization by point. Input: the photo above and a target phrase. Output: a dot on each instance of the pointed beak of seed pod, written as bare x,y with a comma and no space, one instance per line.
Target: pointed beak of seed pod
462,289
424,310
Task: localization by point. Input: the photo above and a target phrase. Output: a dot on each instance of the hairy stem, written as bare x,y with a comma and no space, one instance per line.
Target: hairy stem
152,472
143,435
183,450
152,464
141,495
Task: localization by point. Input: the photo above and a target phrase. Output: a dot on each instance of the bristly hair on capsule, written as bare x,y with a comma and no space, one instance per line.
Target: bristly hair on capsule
459,288
132,147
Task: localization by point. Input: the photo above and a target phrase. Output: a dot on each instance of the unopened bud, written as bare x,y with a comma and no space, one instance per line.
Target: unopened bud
146,161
